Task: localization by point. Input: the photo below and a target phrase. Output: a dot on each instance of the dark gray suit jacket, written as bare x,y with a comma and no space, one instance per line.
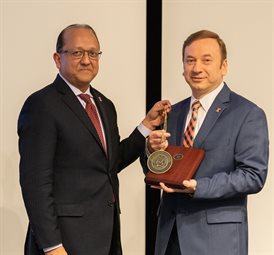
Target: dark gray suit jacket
214,221
68,183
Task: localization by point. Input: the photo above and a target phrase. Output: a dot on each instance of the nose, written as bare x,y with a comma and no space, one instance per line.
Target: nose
197,67
85,59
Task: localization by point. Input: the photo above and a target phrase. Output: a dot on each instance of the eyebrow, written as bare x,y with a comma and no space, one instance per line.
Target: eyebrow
205,55
81,48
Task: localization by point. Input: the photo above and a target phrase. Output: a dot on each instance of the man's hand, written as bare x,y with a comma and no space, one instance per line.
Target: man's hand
189,187
157,140
58,251
155,116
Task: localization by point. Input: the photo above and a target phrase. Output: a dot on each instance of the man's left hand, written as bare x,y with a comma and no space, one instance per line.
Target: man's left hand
155,116
189,187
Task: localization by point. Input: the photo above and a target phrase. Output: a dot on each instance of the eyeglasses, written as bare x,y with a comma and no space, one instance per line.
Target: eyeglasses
78,54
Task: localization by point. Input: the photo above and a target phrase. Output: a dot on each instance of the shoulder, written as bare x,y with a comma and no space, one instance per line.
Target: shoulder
243,104
40,96
181,104
45,99
241,107
50,92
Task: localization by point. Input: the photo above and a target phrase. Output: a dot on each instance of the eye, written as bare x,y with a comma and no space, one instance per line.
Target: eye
190,61
93,54
207,61
77,53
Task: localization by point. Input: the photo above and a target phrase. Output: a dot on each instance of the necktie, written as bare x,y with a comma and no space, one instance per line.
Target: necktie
93,115
190,130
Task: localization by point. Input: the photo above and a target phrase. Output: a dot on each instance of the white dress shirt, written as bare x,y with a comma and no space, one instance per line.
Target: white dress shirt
206,103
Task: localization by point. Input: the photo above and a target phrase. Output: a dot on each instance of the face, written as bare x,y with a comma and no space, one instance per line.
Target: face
203,67
78,71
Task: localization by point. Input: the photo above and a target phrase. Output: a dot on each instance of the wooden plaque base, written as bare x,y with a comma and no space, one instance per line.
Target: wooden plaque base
186,161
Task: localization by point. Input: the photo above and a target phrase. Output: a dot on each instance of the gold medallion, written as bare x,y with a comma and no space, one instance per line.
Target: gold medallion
159,162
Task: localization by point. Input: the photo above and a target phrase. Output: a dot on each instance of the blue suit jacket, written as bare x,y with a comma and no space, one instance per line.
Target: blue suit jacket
214,221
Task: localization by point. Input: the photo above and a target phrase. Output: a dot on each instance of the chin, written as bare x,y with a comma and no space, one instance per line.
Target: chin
86,78
84,83
198,86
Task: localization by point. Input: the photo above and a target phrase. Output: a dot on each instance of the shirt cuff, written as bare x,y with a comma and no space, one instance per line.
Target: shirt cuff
144,130
52,247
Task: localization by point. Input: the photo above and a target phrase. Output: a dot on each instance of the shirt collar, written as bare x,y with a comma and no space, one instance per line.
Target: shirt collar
208,99
75,90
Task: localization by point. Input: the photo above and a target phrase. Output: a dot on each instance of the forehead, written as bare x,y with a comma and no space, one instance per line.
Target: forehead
202,47
80,38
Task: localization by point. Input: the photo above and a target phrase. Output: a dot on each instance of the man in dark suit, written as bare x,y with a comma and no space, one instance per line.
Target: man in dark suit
71,154
209,216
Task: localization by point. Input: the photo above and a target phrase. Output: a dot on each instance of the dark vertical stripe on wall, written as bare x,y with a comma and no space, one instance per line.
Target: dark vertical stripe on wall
153,94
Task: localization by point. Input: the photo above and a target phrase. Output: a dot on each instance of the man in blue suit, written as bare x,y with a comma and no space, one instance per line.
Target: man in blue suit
209,216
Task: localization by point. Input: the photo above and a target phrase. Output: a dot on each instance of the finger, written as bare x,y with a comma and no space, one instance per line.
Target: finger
163,104
162,142
156,141
167,105
190,183
171,190
165,145
164,137
155,134
166,189
167,134
160,106
186,183
155,187
159,134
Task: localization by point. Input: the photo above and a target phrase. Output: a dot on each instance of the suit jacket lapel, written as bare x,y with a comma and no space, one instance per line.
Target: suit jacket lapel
181,122
218,106
73,103
176,122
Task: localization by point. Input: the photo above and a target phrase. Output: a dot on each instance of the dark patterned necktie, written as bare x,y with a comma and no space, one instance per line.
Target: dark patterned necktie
93,115
190,130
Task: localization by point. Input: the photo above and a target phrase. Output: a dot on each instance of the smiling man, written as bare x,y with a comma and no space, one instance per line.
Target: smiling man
71,154
209,216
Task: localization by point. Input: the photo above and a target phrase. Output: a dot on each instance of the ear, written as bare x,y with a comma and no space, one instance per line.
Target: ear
224,67
57,60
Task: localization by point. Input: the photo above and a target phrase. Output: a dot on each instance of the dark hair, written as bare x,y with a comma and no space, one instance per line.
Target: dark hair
60,39
203,34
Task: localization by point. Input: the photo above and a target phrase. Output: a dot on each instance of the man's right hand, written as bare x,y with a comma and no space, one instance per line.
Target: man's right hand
157,140
58,251
155,116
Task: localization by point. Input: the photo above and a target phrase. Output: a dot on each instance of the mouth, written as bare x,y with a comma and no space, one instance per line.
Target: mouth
197,79
85,69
